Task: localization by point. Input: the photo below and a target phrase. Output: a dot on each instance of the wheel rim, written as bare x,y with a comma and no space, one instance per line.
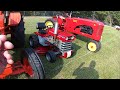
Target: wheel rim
31,42
49,24
48,57
27,67
92,46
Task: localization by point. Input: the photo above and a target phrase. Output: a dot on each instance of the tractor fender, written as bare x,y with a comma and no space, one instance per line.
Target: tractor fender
43,41
14,18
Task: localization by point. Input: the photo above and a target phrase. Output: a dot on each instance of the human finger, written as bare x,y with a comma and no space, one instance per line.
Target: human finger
3,38
8,45
7,55
10,61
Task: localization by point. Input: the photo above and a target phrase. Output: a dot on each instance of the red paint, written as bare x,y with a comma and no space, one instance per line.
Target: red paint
14,69
13,20
27,67
69,24
62,35
42,50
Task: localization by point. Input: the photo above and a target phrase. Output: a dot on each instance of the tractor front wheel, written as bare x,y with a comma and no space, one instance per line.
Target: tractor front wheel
33,41
51,56
32,64
93,46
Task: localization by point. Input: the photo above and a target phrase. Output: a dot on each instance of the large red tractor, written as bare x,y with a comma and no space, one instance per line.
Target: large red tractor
91,29
11,22
52,42
30,63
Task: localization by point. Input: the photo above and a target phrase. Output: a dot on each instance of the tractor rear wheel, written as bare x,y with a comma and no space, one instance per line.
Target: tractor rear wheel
49,23
33,41
51,56
32,64
18,35
93,46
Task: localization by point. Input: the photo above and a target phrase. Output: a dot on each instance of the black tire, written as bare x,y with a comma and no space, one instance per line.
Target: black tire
18,35
51,56
97,45
33,41
52,21
35,62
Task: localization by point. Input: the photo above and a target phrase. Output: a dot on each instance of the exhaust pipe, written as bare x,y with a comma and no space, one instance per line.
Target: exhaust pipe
6,18
6,13
55,30
70,14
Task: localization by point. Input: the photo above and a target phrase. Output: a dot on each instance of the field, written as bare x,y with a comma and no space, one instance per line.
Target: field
104,64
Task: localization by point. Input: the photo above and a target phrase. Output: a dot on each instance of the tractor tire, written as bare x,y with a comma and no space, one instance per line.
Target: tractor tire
50,23
51,56
33,41
32,64
18,35
93,46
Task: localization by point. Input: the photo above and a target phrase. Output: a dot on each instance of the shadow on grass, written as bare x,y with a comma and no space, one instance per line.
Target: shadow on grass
85,39
86,72
52,69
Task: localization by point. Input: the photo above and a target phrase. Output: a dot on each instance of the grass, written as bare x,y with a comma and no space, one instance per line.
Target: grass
104,64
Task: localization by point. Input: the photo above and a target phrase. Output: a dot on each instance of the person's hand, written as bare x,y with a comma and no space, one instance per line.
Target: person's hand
4,47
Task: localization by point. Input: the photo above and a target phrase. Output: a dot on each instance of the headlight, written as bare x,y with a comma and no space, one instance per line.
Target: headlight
66,38
72,37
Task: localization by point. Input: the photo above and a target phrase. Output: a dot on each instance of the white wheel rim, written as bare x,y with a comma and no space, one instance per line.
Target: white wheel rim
47,57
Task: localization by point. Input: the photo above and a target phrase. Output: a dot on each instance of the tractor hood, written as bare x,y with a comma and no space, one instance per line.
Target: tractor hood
86,21
62,35
65,36
93,21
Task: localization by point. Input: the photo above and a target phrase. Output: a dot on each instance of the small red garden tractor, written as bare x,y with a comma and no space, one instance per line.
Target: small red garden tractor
52,42
30,63
91,29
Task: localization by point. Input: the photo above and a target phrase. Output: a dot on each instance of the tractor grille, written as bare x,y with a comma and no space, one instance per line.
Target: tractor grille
65,46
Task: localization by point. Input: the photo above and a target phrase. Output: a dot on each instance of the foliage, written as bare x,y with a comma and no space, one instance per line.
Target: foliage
108,17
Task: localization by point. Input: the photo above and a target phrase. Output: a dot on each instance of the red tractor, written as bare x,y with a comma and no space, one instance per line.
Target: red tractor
52,42
30,63
91,29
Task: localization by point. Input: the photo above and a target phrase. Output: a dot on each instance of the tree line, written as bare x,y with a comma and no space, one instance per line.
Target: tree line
108,17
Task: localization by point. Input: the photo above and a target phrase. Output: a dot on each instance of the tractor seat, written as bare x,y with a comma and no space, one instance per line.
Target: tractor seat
42,31
40,26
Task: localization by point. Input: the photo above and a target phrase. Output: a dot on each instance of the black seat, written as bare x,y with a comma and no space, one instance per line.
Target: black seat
40,26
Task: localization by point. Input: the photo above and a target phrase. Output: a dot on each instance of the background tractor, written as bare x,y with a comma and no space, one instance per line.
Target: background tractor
52,42
91,29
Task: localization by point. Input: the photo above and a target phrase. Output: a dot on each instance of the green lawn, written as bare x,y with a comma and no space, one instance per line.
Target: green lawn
104,64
